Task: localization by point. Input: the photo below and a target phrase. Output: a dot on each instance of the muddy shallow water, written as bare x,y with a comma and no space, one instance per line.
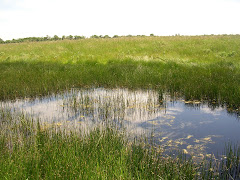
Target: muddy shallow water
192,126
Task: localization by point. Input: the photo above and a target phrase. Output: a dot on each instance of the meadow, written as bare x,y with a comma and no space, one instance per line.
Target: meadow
204,67
195,67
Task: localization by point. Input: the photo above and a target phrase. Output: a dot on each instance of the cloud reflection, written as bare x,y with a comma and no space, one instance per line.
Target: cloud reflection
140,113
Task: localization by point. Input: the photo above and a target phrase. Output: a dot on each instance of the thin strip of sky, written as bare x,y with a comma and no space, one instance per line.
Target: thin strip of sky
26,18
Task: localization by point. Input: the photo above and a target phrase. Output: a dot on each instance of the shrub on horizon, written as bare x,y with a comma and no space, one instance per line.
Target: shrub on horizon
1,41
106,36
79,37
94,36
55,38
70,37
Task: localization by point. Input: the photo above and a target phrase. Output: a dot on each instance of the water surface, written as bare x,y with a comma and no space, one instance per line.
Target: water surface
192,126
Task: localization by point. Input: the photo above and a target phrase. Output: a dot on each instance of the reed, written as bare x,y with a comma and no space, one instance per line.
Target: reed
31,151
198,68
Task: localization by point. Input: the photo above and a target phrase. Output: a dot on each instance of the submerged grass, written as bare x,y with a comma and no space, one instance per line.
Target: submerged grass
202,67
29,151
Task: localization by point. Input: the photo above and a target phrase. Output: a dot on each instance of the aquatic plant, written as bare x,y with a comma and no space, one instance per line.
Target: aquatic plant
197,68
28,150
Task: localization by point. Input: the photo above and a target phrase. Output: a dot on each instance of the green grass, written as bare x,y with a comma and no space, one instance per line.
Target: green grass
28,150
201,67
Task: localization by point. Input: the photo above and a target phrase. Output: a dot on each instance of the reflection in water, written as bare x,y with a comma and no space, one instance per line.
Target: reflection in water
174,124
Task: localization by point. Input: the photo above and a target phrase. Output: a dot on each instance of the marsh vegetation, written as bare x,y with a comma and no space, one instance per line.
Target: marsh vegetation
111,102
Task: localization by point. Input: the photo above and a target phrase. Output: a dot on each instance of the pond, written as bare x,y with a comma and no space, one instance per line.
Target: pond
197,128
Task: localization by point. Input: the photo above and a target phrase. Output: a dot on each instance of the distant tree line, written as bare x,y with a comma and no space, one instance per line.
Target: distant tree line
57,38
70,37
46,38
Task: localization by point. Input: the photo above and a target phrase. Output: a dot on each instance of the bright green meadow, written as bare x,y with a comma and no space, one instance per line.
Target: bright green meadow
201,67
194,67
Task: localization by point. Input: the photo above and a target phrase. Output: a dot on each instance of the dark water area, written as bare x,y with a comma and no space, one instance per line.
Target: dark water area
197,128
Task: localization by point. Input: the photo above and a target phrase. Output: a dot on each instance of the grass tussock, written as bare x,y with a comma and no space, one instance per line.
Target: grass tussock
29,151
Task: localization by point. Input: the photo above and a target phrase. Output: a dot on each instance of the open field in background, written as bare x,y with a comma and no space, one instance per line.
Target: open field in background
197,68
201,67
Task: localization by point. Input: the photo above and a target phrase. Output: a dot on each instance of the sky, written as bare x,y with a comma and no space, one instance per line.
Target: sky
28,18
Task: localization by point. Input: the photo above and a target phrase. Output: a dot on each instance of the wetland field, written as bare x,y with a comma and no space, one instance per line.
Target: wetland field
121,108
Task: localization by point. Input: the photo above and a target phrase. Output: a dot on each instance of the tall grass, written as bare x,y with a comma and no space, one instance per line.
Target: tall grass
216,82
205,67
201,67
28,150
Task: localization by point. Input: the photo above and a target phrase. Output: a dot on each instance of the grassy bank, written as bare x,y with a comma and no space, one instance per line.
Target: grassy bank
28,150
204,67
